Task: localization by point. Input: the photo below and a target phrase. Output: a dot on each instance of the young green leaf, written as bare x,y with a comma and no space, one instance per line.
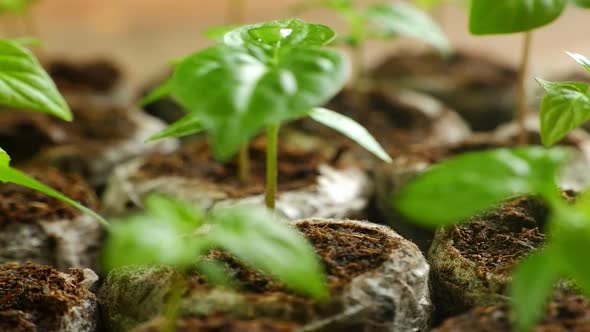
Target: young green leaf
159,92
532,283
11,175
217,33
351,129
4,158
400,19
580,59
24,84
509,16
257,237
188,125
565,107
460,187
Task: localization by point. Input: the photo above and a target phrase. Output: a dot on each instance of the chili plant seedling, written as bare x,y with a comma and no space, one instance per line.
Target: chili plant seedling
500,17
173,233
565,106
384,20
263,75
25,85
463,186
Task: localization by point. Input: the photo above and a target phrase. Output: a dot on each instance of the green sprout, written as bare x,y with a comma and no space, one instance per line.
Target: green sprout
468,184
382,21
171,232
261,76
25,85
565,106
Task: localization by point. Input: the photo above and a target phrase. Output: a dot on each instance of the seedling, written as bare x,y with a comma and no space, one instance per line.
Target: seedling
262,76
25,85
565,106
463,186
384,20
500,17
172,232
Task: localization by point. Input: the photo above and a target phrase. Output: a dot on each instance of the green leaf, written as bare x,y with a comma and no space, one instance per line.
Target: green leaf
259,238
164,234
232,91
565,107
580,59
509,16
187,125
4,158
351,129
463,186
218,33
159,92
581,3
400,19
24,84
532,283
8,174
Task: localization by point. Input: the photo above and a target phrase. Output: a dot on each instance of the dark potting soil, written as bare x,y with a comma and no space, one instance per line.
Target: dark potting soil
220,323
22,205
96,75
33,297
296,168
565,314
497,239
345,251
25,134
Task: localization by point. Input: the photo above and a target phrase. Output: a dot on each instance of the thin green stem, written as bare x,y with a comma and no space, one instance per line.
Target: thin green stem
172,306
521,95
272,137
235,11
244,164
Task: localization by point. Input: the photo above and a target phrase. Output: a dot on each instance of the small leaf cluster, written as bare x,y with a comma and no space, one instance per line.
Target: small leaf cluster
458,188
565,106
171,232
263,74
385,21
511,16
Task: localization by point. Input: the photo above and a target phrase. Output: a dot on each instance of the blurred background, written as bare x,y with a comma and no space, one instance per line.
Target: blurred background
142,35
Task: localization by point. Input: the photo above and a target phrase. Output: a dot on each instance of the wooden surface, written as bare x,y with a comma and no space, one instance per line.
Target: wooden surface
143,34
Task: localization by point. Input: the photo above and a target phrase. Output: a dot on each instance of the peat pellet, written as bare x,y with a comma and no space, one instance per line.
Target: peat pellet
472,262
37,228
313,179
39,298
378,282
564,314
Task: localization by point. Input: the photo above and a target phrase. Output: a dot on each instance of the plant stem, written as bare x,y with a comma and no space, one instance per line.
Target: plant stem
244,164
521,95
235,11
272,136
172,306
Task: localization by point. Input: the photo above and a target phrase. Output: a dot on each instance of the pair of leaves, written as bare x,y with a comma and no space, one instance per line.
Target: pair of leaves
265,74
173,233
463,186
565,107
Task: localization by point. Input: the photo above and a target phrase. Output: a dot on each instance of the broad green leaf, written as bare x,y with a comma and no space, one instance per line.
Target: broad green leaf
11,175
509,16
400,19
565,107
4,158
260,239
187,125
532,284
159,92
463,186
235,95
24,84
163,234
351,129
581,3
580,59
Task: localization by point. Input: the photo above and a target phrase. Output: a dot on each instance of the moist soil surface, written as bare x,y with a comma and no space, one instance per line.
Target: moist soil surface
220,323
98,75
565,314
34,297
296,168
25,134
496,240
22,205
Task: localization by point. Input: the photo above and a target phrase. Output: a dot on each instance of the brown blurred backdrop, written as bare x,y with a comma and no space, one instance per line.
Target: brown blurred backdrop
143,34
